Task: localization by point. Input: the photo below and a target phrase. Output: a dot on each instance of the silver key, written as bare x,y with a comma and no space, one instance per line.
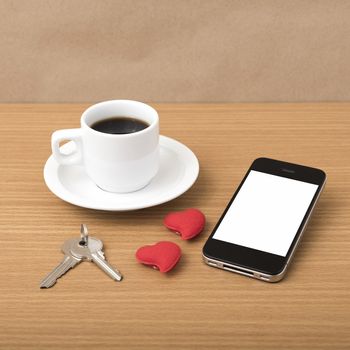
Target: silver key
79,249
93,251
68,263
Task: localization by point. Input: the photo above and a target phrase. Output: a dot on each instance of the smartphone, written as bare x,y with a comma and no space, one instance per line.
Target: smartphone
263,223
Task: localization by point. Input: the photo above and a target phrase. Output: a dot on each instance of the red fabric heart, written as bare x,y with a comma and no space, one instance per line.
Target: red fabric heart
163,255
189,223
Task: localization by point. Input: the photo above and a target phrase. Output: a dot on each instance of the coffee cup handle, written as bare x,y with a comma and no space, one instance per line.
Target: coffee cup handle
75,157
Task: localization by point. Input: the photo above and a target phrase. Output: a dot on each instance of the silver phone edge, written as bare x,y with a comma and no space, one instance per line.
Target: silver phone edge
257,274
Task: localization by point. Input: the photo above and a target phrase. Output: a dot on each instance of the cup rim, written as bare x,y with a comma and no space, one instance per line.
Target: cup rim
148,129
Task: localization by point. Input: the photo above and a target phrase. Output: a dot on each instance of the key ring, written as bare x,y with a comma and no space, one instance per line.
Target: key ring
84,234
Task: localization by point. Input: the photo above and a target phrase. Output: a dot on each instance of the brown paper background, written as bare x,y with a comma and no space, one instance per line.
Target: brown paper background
176,51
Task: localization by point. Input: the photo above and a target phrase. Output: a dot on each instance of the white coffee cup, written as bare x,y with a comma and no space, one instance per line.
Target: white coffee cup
115,162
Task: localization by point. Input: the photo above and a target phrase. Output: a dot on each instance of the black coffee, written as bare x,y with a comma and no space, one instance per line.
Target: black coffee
119,125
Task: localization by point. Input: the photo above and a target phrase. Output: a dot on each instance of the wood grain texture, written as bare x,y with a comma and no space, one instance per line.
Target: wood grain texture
193,307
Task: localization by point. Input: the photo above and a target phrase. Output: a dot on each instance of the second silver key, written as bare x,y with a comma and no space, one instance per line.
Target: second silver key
93,251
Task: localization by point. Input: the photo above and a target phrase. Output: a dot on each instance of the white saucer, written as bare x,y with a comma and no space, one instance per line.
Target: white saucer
178,171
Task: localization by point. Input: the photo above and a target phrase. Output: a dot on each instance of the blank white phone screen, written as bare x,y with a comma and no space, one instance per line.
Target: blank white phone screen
266,213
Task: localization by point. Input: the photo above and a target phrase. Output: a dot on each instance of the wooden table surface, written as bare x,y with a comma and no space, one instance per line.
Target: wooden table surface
194,306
